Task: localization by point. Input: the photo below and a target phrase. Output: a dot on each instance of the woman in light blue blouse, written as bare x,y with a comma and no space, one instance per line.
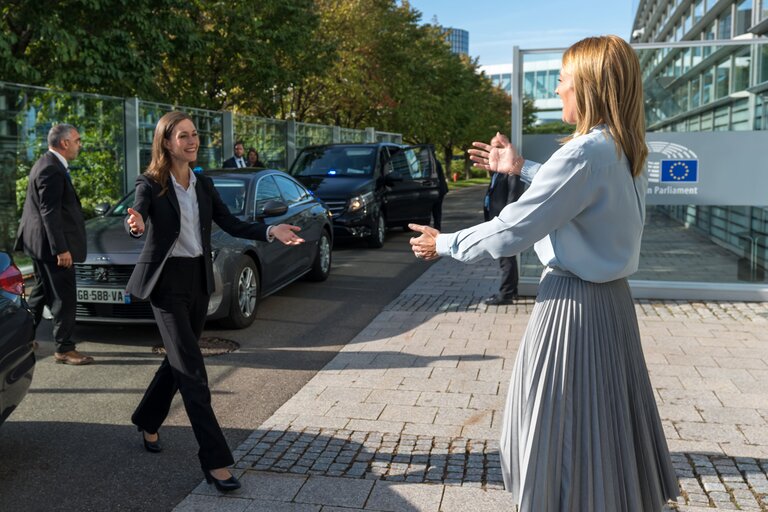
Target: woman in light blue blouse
581,429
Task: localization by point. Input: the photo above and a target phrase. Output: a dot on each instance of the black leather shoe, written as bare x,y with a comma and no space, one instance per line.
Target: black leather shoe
497,300
151,446
230,484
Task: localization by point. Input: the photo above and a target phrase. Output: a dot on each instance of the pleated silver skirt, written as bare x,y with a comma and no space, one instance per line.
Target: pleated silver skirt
581,431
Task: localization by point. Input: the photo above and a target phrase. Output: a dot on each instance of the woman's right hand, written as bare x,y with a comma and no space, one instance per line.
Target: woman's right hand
135,222
498,156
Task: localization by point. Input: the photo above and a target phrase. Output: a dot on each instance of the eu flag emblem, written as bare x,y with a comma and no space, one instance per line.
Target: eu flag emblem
673,171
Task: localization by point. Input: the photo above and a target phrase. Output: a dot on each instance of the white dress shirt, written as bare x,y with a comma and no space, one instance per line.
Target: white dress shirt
189,244
584,211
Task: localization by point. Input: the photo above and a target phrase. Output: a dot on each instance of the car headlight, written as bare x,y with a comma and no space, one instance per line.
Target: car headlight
359,202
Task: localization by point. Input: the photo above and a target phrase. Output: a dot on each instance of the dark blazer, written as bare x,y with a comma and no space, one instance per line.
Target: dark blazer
442,183
52,220
506,189
230,163
162,224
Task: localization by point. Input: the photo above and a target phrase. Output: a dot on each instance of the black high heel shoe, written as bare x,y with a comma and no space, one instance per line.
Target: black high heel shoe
230,484
151,446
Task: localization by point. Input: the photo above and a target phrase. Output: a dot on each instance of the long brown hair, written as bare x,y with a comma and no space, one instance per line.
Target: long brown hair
160,167
608,87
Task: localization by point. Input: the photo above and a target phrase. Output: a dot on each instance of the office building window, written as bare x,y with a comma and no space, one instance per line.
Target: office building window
740,115
764,63
742,62
724,25
695,93
698,11
764,10
528,84
706,87
723,81
743,17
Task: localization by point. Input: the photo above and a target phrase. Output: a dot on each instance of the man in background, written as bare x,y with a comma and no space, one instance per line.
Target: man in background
238,160
504,189
52,233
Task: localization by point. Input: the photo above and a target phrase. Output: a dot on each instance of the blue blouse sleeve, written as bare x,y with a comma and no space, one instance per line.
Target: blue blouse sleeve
559,192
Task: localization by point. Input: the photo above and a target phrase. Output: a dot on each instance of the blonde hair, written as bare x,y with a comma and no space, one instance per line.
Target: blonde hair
608,88
159,167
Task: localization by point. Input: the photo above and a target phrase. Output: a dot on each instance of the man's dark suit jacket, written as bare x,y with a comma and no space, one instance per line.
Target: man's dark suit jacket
506,189
52,220
230,163
163,223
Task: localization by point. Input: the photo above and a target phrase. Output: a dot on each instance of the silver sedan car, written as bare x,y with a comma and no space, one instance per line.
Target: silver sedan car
244,270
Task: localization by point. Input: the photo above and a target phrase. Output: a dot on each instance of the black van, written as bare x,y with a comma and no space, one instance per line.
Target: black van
369,187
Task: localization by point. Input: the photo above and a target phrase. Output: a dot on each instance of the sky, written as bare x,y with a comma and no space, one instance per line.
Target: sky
495,26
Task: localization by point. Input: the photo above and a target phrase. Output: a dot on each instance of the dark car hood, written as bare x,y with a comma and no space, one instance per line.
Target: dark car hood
336,186
109,242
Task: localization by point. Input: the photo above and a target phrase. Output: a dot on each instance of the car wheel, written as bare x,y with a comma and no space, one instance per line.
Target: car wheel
243,295
376,240
321,267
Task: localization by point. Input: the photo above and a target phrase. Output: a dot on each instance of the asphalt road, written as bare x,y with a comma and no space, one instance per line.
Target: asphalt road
70,446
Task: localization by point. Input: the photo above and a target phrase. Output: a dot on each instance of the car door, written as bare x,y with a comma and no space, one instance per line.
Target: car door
411,184
278,260
299,205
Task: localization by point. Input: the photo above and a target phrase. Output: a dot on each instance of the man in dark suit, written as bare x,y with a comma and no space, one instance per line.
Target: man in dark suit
52,233
238,160
504,189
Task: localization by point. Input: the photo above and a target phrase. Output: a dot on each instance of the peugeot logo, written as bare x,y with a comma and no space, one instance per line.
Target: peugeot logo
101,274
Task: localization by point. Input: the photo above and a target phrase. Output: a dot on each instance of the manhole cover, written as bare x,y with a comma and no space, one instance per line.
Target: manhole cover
209,346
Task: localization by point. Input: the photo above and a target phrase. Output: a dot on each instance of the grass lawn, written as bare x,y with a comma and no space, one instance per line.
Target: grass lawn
453,185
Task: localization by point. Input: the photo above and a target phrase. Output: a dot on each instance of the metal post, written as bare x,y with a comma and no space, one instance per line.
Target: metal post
132,150
290,142
228,133
516,135
370,135
336,134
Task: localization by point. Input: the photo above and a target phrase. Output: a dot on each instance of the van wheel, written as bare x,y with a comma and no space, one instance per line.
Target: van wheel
243,295
376,240
321,267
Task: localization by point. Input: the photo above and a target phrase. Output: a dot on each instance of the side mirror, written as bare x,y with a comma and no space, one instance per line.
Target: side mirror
101,209
274,208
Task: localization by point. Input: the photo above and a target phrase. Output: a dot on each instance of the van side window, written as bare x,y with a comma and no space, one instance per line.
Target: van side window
398,164
266,190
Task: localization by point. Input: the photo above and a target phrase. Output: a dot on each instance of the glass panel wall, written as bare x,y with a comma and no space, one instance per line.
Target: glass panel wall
704,89
26,116
266,136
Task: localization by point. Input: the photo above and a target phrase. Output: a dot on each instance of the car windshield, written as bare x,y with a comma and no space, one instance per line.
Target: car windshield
231,190
335,161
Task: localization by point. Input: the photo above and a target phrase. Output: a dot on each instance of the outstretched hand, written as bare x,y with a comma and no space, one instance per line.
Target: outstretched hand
498,156
424,246
286,233
135,222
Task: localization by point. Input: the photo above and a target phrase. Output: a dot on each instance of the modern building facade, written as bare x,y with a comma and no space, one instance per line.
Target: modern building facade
539,83
459,40
696,86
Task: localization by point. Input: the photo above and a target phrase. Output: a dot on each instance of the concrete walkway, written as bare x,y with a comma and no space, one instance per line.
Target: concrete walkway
407,416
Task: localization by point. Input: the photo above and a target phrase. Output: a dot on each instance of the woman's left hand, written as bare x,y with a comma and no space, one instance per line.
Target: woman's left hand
424,246
286,233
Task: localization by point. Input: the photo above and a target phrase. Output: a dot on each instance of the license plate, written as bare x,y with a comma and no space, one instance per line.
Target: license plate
103,295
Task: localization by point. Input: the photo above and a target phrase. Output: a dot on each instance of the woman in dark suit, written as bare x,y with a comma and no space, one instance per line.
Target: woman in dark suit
175,271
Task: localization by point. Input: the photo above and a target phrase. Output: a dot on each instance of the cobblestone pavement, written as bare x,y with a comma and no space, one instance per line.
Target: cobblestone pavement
407,416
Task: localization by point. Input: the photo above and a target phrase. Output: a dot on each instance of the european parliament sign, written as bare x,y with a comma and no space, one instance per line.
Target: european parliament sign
694,168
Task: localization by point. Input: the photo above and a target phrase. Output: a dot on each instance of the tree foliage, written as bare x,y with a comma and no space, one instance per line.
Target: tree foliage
351,63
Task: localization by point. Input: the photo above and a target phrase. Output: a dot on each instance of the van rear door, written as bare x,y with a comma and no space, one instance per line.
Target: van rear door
412,185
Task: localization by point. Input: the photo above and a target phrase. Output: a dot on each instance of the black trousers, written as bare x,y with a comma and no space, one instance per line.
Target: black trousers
509,277
180,303
55,287
437,214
